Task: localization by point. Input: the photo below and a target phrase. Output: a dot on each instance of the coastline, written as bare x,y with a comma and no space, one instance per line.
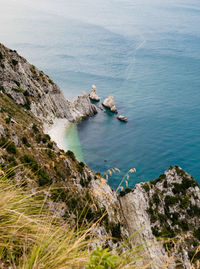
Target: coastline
57,132
65,134
72,142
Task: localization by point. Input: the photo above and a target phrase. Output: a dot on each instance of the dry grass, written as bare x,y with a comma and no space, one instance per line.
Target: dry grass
33,238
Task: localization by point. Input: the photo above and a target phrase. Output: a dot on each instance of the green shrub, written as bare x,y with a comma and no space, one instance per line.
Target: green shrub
3,142
80,167
27,104
194,211
59,195
83,182
179,188
155,231
50,154
156,199
197,233
32,69
1,56
8,120
175,217
187,183
28,160
14,62
43,178
184,225
115,230
102,259
71,155
35,128
185,202
127,190
153,218
150,211
11,148
26,93
2,88
146,187
50,145
165,185
167,232
25,141
46,138
171,200
17,83
20,90
162,218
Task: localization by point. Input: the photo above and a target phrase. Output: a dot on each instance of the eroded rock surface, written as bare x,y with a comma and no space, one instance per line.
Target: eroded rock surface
93,94
34,90
110,104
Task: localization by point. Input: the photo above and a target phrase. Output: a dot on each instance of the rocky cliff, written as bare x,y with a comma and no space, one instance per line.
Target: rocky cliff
168,207
157,219
35,91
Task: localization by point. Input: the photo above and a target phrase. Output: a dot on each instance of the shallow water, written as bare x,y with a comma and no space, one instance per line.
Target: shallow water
72,141
145,53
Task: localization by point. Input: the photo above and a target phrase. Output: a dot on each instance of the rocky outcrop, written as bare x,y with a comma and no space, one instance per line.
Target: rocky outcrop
168,207
122,118
134,207
110,104
93,94
34,90
83,106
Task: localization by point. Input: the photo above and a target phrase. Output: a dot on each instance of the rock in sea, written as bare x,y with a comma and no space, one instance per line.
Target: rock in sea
122,118
109,103
93,94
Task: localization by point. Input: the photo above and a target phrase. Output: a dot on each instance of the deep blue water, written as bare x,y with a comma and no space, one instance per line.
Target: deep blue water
145,53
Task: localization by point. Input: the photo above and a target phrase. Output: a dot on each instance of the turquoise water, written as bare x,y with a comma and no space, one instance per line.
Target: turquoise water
72,141
145,53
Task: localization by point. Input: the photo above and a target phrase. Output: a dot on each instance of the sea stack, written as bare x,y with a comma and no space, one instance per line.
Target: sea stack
93,94
109,103
122,118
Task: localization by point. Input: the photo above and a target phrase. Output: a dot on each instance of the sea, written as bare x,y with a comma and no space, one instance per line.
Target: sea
144,53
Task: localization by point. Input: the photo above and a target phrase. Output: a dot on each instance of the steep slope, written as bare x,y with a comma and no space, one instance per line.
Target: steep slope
168,207
30,158
36,92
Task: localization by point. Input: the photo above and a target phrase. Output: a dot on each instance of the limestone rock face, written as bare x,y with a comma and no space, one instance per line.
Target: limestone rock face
83,106
109,103
166,207
134,206
93,94
34,90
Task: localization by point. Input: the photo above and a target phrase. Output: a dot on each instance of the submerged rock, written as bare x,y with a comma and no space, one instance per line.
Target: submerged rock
93,94
109,103
122,118
100,107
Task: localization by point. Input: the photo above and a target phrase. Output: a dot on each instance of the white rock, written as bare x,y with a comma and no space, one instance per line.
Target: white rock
47,101
93,94
109,103
122,118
